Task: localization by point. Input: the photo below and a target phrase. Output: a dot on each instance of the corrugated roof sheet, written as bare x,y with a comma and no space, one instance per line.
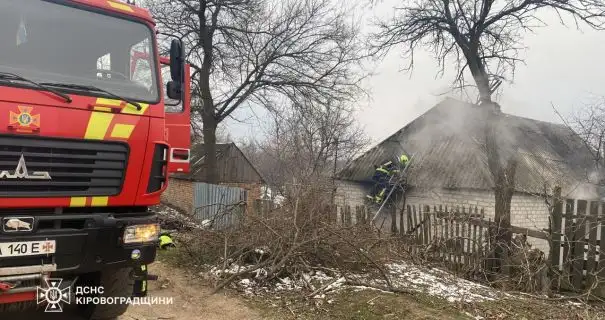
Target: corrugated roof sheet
232,165
446,143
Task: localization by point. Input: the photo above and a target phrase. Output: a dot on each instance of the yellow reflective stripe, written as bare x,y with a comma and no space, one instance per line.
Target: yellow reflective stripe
383,170
100,201
77,202
109,102
120,6
130,109
122,130
103,109
98,125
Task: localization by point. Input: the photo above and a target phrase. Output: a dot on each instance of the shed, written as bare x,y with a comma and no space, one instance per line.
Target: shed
234,170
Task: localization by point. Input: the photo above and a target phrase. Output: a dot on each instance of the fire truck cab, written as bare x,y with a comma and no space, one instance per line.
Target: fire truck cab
92,121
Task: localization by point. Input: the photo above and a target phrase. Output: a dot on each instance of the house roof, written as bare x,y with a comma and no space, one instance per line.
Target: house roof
446,143
232,164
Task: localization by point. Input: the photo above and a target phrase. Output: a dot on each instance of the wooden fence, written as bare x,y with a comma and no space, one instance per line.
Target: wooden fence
458,236
578,245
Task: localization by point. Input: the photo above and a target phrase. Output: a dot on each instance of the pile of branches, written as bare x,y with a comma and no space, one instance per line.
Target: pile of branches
527,267
173,219
296,239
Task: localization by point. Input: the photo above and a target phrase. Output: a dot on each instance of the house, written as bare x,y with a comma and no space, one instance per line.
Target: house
234,170
450,165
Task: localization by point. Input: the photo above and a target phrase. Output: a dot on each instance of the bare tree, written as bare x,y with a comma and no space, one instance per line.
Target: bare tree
308,143
588,121
249,52
483,37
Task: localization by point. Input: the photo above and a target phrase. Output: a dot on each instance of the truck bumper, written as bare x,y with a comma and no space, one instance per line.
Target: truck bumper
84,242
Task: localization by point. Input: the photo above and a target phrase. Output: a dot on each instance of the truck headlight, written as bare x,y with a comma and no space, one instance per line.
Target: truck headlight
141,233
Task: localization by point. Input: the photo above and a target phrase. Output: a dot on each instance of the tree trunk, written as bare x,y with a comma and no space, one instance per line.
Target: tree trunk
504,187
503,177
481,79
209,130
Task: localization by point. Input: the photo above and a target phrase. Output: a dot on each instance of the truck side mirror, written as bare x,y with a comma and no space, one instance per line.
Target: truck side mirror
174,88
177,60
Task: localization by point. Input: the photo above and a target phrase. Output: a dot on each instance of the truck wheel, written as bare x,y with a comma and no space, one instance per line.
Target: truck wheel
116,283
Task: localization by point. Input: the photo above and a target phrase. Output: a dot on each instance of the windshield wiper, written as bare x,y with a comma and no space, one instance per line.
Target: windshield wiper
93,88
12,76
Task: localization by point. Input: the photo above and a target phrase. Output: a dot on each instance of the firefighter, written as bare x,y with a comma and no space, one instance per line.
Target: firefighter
166,241
383,174
403,160
140,284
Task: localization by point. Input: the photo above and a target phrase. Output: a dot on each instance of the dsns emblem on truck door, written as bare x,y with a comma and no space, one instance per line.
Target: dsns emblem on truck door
18,224
22,173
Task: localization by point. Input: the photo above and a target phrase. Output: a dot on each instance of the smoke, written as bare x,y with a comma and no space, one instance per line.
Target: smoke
462,124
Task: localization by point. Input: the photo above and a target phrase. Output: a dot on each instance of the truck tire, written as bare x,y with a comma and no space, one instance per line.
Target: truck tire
116,283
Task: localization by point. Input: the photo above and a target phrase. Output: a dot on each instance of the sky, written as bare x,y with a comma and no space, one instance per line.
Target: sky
563,67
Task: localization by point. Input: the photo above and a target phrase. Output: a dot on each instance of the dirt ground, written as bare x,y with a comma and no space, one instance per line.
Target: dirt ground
191,299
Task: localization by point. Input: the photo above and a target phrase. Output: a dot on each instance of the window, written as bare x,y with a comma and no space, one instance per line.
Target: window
54,43
171,105
141,71
104,64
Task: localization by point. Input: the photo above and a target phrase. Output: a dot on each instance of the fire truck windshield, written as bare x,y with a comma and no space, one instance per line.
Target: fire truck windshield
53,43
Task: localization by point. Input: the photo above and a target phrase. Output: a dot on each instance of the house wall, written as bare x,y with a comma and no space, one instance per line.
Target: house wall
349,193
179,193
526,210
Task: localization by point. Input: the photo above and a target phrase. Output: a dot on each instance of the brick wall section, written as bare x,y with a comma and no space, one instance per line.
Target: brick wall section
254,191
526,211
179,194
349,193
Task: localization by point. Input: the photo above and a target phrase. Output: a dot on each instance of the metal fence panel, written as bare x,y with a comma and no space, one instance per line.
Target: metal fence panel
220,206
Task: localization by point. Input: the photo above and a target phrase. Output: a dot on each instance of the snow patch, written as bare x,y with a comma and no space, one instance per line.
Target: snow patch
403,275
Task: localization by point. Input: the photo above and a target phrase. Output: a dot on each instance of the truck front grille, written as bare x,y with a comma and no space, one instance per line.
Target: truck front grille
75,167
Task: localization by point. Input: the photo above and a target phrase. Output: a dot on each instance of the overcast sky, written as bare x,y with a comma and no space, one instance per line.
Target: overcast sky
563,66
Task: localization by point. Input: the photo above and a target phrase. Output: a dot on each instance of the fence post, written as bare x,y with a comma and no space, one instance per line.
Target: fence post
555,232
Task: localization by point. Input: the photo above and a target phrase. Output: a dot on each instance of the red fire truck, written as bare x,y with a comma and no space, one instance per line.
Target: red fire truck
92,121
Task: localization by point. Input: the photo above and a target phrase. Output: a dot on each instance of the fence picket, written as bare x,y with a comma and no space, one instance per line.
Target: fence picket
425,226
458,257
592,243
475,247
446,223
601,263
468,243
578,249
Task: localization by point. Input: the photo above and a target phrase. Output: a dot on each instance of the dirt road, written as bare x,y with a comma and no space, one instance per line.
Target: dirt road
191,300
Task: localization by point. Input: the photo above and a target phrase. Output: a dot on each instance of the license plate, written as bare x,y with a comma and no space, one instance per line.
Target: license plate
27,248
